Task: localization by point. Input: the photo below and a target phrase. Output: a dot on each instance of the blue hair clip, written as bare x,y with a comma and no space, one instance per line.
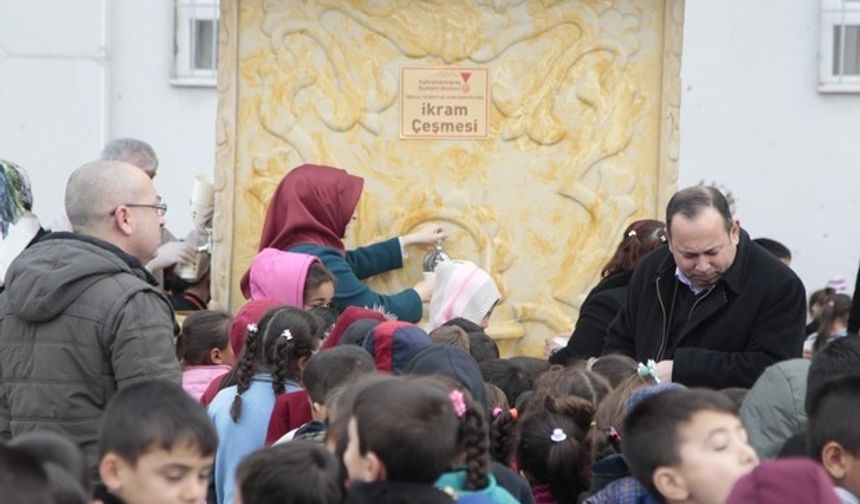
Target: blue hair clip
648,370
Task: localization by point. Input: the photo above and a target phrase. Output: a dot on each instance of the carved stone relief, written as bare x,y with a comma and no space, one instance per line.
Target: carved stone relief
583,134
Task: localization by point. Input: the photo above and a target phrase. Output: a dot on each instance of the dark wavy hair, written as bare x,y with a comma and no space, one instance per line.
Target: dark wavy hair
639,238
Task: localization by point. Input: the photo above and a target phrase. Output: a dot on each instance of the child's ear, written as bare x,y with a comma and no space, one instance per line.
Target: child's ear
319,409
834,460
111,471
671,485
374,469
215,356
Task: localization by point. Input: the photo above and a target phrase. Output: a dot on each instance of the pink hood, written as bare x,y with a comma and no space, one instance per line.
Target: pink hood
280,275
196,379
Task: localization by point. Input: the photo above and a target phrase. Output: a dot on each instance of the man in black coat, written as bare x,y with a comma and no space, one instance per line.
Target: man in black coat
713,308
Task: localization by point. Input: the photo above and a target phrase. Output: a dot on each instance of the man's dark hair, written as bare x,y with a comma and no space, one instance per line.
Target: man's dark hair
691,201
506,375
833,414
651,429
290,473
333,368
776,249
23,479
154,414
835,359
58,455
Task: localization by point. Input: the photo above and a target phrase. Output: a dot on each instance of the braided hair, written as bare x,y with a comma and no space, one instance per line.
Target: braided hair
279,344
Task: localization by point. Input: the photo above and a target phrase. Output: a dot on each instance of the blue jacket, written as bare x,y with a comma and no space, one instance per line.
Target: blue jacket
361,263
236,440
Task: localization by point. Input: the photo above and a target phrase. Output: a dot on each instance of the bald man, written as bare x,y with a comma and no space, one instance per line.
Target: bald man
81,316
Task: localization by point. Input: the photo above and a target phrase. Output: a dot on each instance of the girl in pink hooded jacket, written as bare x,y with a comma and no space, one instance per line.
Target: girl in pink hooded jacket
204,351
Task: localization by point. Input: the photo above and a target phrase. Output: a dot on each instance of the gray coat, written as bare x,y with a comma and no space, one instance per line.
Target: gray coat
79,319
773,410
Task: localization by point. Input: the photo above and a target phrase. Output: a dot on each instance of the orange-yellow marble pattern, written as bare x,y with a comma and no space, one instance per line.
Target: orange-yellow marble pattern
583,134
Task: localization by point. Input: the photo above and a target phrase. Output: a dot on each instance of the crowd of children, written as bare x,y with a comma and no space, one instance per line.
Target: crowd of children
281,405
307,396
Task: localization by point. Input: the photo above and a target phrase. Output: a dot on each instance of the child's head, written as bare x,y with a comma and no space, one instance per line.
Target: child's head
280,344
463,290
553,449
451,336
776,249
297,280
532,366
614,367
319,287
835,310
205,339
23,479
507,376
571,381
401,430
333,368
833,432
63,462
496,398
157,445
687,445
392,344
839,358
816,301
610,414
298,472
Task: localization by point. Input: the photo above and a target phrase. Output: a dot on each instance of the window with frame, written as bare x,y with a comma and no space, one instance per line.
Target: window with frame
839,54
195,43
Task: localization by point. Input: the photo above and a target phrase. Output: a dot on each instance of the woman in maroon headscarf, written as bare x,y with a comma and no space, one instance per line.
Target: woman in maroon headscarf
309,213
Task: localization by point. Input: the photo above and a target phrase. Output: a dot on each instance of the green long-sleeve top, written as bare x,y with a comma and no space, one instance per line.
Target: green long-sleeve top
349,269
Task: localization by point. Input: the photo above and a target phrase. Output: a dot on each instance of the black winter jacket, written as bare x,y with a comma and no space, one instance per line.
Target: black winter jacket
597,312
753,317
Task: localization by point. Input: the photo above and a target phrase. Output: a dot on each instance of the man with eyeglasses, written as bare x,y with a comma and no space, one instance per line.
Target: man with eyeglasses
81,316
139,153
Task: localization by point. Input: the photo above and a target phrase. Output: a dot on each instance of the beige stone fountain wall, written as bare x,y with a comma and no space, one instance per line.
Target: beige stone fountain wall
583,134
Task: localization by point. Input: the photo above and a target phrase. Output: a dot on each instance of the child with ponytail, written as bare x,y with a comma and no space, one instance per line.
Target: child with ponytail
833,318
203,349
274,355
553,451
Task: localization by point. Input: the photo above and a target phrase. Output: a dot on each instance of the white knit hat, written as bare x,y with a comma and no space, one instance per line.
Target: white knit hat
462,290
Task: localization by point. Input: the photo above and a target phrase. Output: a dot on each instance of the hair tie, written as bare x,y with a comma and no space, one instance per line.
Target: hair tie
632,233
558,436
497,411
252,328
613,435
514,413
459,403
648,370
287,335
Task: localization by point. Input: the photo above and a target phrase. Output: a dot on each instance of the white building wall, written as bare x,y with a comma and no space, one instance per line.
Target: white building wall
752,119
75,74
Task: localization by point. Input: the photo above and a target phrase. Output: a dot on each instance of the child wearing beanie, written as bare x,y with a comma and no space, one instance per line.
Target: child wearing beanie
462,290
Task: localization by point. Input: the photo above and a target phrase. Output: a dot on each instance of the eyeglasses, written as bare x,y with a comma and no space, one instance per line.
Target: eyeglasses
160,208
